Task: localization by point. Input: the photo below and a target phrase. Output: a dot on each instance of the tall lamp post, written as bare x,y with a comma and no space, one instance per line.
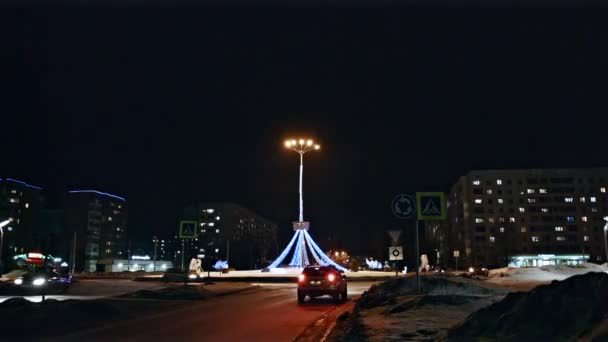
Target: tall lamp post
155,241
302,147
605,241
2,225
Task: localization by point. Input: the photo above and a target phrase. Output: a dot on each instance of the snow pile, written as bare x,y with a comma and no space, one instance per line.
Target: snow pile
171,293
393,311
564,310
526,278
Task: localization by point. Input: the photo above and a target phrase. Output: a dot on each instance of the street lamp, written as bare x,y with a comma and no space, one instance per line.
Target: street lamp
605,241
2,225
302,146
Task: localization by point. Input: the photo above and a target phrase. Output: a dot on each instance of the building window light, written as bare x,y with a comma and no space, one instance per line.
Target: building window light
502,229
478,201
499,181
592,199
602,189
476,182
559,229
531,200
211,224
582,199
478,220
217,218
522,210
501,220
492,239
561,238
523,229
110,218
568,199
491,220
489,191
535,239
542,191
584,218
530,191
217,230
512,219
545,210
500,201
586,238
210,211
570,218
217,250
27,205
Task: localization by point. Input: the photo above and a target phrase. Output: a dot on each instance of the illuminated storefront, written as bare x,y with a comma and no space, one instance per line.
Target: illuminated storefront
547,259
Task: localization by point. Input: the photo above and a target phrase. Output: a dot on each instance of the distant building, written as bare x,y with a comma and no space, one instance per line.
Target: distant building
527,217
100,222
22,203
228,231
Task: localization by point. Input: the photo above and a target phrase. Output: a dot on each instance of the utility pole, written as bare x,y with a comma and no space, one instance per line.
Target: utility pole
129,256
73,258
155,240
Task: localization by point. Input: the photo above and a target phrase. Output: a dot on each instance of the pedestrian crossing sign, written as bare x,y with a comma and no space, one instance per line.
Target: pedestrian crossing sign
187,229
430,206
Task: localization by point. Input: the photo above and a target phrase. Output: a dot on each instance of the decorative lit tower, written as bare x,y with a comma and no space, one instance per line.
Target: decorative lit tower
301,238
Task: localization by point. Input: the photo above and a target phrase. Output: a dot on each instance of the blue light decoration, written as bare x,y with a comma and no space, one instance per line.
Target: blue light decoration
282,256
97,192
23,183
221,264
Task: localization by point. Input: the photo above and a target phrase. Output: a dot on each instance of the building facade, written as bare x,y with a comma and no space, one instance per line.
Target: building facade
21,202
527,217
99,221
228,231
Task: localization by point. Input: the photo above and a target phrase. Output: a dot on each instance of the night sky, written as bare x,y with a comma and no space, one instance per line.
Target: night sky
167,105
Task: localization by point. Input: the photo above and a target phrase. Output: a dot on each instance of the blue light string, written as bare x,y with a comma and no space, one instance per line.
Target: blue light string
323,256
278,260
295,260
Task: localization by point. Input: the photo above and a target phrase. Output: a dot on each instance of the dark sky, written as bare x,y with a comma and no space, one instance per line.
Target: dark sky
169,105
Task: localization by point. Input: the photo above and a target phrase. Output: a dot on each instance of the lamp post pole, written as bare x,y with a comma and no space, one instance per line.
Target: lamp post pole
301,146
605,238
2,225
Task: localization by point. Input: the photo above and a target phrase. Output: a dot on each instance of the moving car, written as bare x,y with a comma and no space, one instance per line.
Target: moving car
316,281
479,271
42,282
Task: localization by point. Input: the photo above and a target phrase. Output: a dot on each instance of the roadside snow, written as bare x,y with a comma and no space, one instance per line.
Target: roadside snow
528,278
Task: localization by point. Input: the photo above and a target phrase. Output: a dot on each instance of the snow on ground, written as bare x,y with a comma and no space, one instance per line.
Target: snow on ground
523,279
285,273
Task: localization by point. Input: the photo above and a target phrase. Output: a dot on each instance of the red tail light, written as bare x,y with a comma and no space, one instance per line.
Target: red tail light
301,277
331,277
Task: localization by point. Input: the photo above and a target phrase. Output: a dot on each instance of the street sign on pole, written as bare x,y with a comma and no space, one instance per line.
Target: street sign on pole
394,234
395,253
431,206
187,229
403,206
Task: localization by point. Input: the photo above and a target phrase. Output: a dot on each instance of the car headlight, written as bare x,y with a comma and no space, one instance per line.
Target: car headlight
18,281
471,270
192,276
38,281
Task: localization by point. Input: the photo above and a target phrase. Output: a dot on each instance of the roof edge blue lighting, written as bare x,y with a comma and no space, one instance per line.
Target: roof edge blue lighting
22,183
97,192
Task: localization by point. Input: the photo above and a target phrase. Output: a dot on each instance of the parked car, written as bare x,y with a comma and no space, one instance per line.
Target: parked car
316,281
479,271
42,282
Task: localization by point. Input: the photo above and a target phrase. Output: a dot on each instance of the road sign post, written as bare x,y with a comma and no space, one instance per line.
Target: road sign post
456,255
430,206
404,208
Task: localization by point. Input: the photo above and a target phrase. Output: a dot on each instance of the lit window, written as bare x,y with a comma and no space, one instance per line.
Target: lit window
210,211
568,199
203,224
476,182
582,199
478,220
531,200
586,237
217,250
594,210
500,200
592,199
491,220
27,205
602,189
545,210
13,191
511,219
478,201
523,229
217,218
559,229
109,218
501,220
13,200
211,224
492,239
584,218
522,210
502,229
535,239
217,230
499,181
530,191
489,191
542,191
570,218
561,238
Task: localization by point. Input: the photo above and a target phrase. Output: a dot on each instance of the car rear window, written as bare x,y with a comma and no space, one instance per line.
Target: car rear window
317,271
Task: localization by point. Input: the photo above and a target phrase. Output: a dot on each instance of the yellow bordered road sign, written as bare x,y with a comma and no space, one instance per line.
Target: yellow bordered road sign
187,229
430,206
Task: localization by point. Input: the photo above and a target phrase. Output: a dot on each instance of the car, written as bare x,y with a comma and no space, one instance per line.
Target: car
316,281
42,282
479,271
178,275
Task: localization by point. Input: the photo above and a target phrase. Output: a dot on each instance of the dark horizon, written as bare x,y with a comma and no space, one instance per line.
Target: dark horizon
169,107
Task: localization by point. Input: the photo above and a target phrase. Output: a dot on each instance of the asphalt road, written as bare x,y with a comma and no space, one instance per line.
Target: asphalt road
267,313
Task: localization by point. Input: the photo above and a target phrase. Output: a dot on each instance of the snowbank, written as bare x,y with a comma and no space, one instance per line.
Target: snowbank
566,310
527,278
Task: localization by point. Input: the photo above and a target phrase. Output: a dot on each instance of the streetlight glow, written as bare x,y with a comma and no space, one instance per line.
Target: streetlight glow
301,141
308,142
287,143
317,147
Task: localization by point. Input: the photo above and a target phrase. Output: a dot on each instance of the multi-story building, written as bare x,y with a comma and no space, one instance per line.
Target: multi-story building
228,231
528,217
99,220
21,202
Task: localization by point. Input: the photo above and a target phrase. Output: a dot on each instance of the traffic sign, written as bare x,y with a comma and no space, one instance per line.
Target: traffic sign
395,253
431,206
403,206
456,254
187,229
